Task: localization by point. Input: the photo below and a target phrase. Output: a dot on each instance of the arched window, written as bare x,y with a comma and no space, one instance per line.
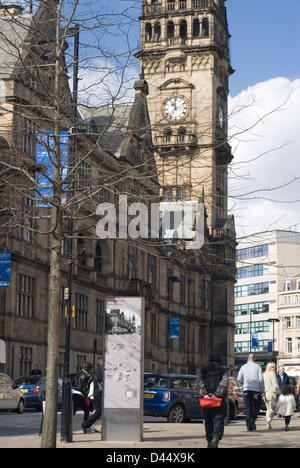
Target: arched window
170,29
168,135
205,27
148,32
182,135
157,32
183,29
196,28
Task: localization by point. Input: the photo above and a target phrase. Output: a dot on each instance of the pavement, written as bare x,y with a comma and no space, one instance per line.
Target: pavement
179,437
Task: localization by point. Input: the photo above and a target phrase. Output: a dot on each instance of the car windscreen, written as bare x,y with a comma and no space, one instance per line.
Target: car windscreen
155,381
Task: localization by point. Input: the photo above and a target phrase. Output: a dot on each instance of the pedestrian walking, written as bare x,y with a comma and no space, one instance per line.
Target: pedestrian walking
251,377
286,405
283,378
272,391
96,396
81,390
212,384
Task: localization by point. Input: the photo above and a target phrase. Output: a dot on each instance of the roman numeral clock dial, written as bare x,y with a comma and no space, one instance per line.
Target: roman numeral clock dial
175,108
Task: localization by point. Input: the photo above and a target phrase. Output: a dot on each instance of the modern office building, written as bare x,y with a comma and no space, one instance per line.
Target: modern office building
264,262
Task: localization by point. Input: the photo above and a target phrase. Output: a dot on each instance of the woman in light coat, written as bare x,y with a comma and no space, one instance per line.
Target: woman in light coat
272,391
286,405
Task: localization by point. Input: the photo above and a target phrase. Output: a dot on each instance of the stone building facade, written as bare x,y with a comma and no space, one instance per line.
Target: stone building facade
123,163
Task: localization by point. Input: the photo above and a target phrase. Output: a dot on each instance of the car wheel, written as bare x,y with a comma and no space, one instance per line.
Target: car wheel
21,407
176,415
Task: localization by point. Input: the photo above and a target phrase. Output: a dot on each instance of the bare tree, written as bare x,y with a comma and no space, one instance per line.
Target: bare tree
41,192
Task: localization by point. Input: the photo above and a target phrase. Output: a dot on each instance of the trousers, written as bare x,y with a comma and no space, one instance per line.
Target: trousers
253,402
214,419
94,416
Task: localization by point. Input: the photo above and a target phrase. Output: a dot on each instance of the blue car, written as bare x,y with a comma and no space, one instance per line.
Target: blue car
28,385
171,396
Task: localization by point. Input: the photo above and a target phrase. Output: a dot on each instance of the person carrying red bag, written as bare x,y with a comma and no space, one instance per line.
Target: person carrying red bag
212,384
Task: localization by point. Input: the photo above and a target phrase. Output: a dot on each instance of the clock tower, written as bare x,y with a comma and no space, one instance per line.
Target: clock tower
185,59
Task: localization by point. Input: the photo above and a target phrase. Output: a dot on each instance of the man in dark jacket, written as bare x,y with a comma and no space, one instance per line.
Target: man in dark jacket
97,381
81,390
212,382
282,377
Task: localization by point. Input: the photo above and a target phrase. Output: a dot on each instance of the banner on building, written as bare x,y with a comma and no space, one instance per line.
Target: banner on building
5,269
45,160
255,340
174,328
270,347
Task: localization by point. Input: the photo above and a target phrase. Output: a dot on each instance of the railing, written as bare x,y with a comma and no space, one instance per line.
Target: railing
178,6
164,142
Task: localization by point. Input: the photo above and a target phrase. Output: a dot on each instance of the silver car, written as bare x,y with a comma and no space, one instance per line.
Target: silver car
11,398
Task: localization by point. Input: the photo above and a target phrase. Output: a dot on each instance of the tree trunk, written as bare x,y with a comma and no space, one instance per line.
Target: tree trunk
50,420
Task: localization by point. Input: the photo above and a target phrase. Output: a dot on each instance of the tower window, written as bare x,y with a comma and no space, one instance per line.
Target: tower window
182,135
196,28
183,29
170,29
205,27
157,32
171,6
168,135
148,31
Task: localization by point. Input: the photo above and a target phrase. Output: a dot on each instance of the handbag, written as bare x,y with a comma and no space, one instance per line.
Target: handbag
210,402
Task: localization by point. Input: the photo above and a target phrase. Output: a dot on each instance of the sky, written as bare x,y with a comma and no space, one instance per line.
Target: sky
265,99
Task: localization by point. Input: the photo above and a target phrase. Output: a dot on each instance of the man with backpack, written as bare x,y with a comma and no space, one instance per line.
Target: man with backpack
96,396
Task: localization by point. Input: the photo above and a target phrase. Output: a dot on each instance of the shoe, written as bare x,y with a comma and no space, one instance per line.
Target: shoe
209,444
83,429
253,425
98,431
287,428
215,442
269,425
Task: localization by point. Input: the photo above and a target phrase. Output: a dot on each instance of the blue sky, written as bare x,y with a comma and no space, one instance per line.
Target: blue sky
265,40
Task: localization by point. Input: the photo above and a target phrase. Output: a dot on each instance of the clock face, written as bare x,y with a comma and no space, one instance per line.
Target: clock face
221,117
175,108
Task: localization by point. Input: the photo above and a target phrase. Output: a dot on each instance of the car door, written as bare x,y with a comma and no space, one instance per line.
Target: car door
196,408
189,395
8,400
2,392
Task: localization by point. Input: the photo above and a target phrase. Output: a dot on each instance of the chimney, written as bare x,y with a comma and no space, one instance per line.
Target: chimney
10,10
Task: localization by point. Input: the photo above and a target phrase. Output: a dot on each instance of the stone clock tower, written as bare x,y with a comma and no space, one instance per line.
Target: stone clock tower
185,59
